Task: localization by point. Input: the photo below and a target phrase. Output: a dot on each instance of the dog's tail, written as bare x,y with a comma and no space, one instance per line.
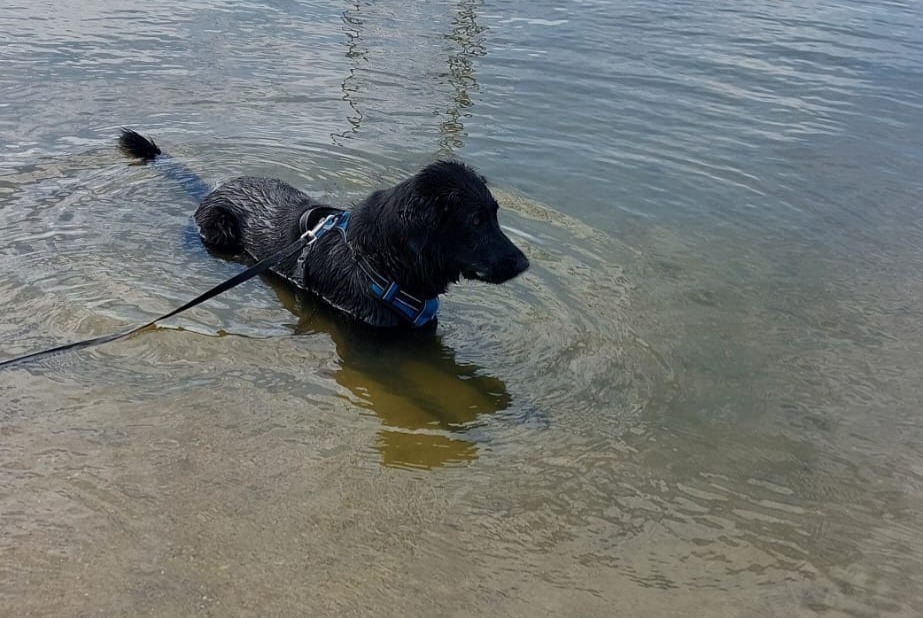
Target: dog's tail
136,145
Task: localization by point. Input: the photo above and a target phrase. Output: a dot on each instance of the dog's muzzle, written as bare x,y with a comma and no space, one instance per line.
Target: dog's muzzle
499,271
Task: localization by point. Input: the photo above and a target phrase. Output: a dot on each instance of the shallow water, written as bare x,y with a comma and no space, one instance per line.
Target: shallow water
702,399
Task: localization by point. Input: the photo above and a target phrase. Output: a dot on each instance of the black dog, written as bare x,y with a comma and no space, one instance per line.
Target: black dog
384,262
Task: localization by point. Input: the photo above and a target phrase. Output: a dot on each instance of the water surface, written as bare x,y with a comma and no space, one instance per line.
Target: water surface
703,397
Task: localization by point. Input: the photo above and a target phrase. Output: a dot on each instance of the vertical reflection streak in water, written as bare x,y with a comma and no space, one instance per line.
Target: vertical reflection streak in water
467,39
463,44
358,57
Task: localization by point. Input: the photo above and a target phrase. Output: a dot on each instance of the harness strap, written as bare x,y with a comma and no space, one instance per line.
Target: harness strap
310,221
417,312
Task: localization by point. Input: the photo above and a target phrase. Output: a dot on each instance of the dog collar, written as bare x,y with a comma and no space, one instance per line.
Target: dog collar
417,312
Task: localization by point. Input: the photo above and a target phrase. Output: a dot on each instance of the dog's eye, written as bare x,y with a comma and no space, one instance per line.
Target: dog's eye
476,220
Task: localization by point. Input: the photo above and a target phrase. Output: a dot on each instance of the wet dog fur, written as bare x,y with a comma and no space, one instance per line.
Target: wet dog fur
424,233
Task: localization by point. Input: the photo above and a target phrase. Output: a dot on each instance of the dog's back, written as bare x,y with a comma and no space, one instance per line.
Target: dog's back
258,216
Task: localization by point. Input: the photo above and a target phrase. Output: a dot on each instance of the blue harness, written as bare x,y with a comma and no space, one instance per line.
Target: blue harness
417,312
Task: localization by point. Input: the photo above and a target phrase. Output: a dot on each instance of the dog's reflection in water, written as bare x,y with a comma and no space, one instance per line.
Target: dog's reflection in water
411,380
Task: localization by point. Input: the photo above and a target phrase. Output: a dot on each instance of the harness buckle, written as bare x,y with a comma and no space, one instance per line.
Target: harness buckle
323,226
318,230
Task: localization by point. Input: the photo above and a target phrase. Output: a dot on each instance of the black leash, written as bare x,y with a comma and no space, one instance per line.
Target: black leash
260,267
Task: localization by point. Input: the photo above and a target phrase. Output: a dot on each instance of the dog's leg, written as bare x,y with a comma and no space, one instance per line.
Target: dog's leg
218,227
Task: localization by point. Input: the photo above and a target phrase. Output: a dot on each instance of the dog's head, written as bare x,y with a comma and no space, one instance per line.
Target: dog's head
462,226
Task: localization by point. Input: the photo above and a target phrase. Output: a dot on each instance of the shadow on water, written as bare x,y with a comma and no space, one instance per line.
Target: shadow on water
426,398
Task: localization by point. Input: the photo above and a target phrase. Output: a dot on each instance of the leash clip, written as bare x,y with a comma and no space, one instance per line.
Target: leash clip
316,232
323,226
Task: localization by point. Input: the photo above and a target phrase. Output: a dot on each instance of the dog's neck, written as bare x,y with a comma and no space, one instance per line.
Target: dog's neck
390,252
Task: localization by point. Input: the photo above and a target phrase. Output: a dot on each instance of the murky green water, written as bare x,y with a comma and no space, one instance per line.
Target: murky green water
703,399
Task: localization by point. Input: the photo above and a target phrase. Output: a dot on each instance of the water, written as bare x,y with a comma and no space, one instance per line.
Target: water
702,399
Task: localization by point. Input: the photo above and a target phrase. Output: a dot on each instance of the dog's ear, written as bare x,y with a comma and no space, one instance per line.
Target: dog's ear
443,187
445,180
